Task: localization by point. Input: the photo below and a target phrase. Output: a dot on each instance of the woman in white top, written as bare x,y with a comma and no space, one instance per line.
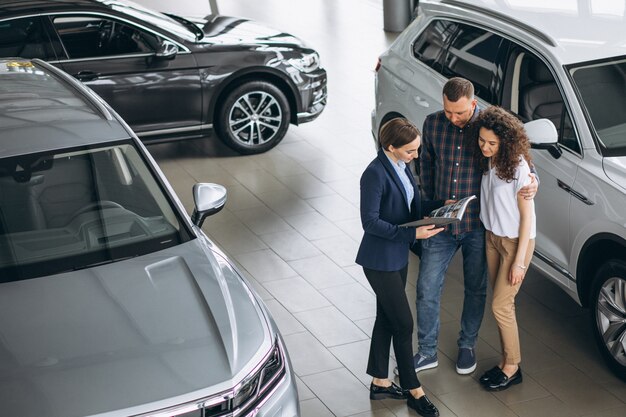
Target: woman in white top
510,222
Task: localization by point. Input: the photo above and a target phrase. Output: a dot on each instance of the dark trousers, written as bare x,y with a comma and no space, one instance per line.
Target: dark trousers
394,322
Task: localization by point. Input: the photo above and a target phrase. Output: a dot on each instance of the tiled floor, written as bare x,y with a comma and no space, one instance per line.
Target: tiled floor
291,222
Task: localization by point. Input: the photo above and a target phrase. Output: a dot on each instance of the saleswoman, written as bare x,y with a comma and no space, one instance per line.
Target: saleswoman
390,197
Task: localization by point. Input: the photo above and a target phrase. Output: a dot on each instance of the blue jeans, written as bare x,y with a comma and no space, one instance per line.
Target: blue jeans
437,252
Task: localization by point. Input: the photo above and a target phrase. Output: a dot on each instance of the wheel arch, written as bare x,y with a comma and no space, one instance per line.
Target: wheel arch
257,74
595,252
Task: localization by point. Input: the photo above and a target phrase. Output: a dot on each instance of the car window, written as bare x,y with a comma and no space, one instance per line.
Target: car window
94,36
76,209
431,43
602,88
540,98
25,38
473,54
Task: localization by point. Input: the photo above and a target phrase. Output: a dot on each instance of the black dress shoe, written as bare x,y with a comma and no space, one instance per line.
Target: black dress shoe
423,406
392,391
490,374
501,381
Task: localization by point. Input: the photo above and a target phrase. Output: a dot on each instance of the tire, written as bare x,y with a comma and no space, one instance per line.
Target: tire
608,314
253,118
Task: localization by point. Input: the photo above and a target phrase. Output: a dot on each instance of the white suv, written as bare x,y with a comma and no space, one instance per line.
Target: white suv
567,66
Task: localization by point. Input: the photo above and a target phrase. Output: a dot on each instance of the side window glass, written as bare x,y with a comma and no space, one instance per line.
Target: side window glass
540,98
431,43
93,36
473,54
25,38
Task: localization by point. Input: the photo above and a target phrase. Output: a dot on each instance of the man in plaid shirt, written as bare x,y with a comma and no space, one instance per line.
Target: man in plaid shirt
448,170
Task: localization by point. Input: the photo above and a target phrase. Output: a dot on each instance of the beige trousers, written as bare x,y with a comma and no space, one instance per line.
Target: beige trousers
501,253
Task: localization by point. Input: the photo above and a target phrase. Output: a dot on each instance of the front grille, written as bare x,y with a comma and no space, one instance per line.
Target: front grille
241,401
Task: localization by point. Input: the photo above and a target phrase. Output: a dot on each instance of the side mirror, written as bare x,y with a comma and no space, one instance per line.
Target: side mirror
208,199
543,135
167,50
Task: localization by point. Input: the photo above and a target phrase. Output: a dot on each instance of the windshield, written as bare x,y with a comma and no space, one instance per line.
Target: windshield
156,19
602,88
73,210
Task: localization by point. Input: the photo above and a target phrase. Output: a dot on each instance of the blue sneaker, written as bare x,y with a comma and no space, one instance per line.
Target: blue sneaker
466,361
422,362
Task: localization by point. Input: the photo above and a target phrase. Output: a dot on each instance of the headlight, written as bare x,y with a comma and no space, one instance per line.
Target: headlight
262,380
306,63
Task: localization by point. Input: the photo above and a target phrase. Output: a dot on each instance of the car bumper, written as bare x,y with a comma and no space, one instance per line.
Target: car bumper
313,95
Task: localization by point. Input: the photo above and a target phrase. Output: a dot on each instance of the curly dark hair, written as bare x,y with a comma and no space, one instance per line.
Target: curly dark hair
513,141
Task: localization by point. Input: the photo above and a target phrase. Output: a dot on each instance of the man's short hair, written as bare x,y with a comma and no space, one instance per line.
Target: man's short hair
458,87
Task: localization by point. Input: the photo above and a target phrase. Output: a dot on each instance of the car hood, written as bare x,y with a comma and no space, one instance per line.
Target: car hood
228,30
135,335
615,169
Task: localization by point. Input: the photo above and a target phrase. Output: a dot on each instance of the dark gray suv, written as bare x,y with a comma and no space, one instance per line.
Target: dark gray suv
112,299
170,77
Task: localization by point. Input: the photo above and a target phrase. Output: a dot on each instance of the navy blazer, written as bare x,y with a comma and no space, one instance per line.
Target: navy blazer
385,245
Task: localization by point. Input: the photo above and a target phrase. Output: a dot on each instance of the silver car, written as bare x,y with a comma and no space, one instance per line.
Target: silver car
544,62
113,302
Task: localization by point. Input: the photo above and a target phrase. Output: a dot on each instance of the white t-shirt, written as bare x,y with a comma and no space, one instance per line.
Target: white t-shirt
498,202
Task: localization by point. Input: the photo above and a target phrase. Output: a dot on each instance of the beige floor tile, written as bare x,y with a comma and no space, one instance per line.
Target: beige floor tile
354,357
352,228
304,393
261,220
545,407
330,326
475,402
313,225
265,265
285,203
321,272
341,249
352,300
308,355
314,408
296,295
334,388
290,245
335,207
571,386
286,322
327,170
306,186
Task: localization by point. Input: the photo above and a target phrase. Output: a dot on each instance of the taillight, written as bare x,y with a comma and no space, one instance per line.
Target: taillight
377,65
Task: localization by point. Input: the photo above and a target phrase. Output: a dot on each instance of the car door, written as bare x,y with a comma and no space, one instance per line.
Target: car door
117,59
537,95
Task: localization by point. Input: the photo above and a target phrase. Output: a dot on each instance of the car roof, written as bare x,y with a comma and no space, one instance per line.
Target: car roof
576,35
43,109
12,7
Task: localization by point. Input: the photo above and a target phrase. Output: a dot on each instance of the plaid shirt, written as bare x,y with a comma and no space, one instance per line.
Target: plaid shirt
448,170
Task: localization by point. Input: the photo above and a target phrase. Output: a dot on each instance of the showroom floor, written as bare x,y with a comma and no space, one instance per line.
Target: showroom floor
292,224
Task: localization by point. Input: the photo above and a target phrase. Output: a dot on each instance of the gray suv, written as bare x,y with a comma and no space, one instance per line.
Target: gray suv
112,299
543,64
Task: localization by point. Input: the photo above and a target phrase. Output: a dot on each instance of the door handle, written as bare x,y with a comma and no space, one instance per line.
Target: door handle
87,75
420,101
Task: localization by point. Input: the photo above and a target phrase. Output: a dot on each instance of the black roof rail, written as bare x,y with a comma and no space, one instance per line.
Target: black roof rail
500,16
